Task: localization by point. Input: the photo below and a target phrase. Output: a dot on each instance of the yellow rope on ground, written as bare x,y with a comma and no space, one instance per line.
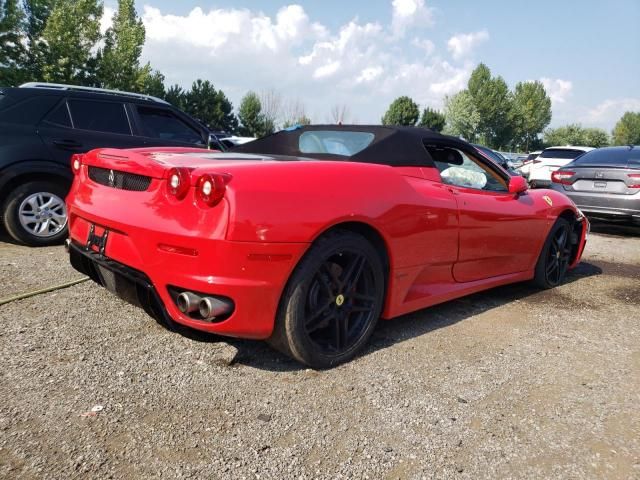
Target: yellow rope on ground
42,290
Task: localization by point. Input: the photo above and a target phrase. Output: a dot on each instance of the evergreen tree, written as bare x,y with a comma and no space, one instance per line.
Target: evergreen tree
210,106
432,119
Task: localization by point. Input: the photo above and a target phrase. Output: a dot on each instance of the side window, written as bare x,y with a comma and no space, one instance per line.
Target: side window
163,124
59,116
464,170
108,117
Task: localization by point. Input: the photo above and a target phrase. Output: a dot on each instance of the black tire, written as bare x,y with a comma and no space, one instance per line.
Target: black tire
555,256
332,301
52,235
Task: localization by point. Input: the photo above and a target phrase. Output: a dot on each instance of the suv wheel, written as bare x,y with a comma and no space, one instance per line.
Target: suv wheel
35,213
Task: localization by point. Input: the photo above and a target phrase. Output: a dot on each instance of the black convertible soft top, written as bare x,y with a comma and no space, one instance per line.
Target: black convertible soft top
396,146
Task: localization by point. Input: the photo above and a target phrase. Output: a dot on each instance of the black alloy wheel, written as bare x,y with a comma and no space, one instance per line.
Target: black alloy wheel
555,257
332,301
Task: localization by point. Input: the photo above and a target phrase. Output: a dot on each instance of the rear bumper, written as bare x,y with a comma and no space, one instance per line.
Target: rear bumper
252,275
622,207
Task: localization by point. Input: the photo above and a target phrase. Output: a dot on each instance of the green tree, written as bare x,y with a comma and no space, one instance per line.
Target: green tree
11,47
627,130
175,95
572,134
493,101
250,116
596,137
37,13
531,114
119,62
432,119
70,35
462,116
210,106
402,111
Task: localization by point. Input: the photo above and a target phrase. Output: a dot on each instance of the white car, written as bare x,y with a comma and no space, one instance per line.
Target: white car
550,160
232,141
527,162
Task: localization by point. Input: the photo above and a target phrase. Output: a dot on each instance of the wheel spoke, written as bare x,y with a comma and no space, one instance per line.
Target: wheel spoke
352,275
317,313
341,329
552,265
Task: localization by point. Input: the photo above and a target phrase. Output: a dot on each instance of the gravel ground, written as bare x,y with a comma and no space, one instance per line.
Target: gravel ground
510,383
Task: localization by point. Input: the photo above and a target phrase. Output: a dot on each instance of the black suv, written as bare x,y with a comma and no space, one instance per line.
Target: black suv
42,125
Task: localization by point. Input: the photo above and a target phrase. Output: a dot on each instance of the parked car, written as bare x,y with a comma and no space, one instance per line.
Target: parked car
549,160
42,125
233,140
307,236
604,183
496,157
527,163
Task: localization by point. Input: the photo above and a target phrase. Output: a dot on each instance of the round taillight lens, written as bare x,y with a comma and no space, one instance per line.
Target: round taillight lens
210,188
178,182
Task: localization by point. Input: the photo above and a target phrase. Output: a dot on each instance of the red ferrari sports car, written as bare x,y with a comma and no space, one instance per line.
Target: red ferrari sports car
308,236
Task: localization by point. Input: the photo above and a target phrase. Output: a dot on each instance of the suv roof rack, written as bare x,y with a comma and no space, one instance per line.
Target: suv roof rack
61,86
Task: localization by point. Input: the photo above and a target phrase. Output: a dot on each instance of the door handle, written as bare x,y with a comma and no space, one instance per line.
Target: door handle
67,144
453,191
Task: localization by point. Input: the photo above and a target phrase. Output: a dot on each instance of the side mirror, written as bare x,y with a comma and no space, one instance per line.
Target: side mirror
518,184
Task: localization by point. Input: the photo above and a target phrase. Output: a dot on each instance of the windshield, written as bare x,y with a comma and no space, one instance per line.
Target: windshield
614,157
565,153
343,143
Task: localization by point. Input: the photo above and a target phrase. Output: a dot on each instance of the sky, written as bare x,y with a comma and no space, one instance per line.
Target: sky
364,53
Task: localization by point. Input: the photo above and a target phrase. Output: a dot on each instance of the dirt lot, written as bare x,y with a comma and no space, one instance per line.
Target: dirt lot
510,383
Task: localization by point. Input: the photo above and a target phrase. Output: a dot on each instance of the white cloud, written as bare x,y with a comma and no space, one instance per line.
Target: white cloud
364,65
407,14
326,70
610,111
557,89
424,44
369,74
462,45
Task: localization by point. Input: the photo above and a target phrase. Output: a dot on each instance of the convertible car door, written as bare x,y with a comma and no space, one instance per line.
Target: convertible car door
499,231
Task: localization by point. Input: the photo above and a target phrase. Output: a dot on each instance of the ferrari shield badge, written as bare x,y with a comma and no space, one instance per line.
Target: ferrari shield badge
547,199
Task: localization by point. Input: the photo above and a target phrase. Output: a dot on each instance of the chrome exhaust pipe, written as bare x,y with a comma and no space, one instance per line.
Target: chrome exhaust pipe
67,245
188,302
210,308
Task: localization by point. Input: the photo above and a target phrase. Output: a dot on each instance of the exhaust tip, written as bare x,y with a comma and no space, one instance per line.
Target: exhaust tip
187,302
205,306
67,245
210,308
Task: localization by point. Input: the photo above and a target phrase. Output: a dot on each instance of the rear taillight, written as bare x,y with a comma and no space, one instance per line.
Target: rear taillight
635,180
210,188
178,182
562,176
76,163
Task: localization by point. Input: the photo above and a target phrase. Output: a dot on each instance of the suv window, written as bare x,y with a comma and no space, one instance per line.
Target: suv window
463,170
59,116
163,124
564,153
108,117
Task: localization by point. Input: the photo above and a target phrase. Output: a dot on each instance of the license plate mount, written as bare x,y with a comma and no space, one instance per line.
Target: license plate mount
97,241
